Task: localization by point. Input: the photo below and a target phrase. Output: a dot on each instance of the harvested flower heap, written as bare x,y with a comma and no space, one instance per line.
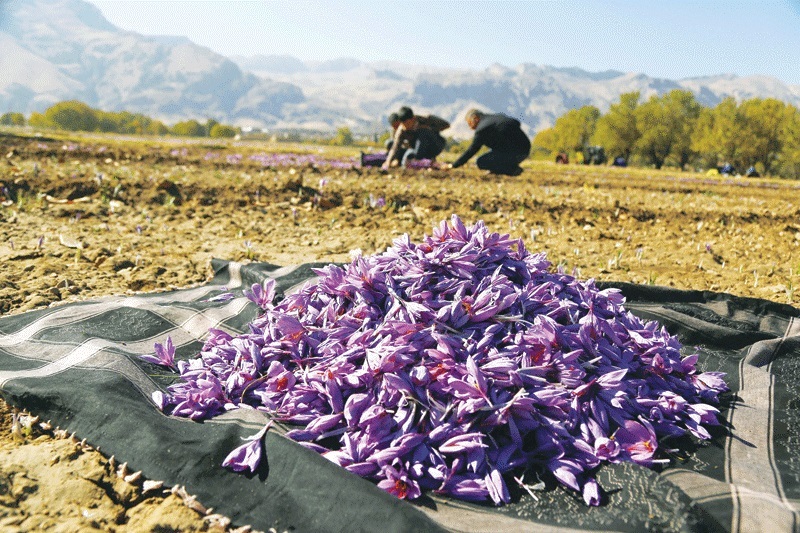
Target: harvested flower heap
457,365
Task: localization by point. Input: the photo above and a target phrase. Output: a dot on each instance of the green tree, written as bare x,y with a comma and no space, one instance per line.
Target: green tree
344,137
665,124
12,119
188,128
72,115
617,131
222,131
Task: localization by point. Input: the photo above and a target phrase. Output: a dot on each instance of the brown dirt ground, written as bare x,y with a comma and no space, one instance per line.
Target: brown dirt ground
92,216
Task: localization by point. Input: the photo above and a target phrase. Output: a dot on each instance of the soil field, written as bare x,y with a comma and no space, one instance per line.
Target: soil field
84,217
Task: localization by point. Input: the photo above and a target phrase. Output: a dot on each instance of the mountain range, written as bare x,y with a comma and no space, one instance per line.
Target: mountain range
55,50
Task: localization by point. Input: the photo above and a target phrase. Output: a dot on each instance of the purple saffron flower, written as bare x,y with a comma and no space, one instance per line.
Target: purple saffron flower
160,399
223,297
606,449
262,294
165,355
248,456
498,490
638,441
591,493
465,487
399,484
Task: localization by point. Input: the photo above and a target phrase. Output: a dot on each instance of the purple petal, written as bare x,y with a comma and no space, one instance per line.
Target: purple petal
248,456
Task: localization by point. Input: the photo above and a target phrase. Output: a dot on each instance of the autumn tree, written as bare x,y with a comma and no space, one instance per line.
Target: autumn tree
38,120
617,131
219,131
344,137
72,115
188,128
571,132
12,119
546,139
156,127
763,133
665,124
715,134
789,157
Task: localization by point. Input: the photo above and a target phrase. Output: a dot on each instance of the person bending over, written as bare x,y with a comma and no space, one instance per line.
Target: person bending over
422,133
509,146
394,122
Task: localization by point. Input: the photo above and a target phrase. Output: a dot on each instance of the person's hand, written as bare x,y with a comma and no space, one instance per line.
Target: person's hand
447,166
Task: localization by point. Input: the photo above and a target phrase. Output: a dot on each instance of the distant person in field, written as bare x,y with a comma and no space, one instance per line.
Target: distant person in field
394,122
509,145
377,160
422,133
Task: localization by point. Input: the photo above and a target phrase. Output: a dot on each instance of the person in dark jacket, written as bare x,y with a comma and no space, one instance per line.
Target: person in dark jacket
422,135
509,145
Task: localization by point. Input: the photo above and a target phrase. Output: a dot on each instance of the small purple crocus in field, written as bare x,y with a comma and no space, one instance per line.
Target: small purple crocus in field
421,164
165,355
454,365
248,456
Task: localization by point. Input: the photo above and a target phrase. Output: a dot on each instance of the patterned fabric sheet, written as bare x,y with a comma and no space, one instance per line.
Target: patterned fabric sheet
78,365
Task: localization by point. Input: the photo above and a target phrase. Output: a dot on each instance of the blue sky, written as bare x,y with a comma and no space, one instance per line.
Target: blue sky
667,38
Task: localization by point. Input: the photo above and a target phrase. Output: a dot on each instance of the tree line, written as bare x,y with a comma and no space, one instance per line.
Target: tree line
675,130
74,115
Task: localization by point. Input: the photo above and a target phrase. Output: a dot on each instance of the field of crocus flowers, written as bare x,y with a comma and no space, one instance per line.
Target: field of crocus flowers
83,217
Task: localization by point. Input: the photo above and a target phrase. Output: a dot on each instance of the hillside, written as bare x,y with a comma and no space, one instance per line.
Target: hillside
56,50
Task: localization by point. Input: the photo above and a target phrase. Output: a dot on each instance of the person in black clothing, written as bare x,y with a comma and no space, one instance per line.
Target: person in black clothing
509,146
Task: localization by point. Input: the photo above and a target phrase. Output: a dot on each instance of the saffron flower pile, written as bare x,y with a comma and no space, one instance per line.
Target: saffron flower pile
457,365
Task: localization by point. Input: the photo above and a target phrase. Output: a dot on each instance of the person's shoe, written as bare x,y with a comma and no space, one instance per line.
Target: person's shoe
515,172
